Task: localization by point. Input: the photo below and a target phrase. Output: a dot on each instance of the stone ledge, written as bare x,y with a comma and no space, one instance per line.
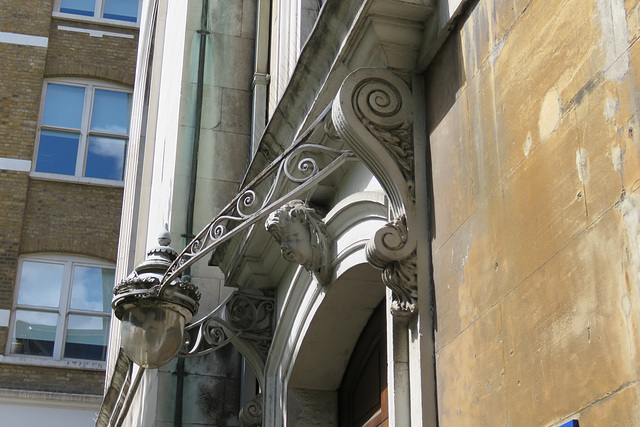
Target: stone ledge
6,393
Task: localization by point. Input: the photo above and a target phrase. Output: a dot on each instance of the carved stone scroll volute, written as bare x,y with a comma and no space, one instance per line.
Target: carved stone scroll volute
251,412
373,113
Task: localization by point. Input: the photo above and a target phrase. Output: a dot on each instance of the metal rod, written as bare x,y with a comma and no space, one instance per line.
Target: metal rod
252,219
204,18
132,393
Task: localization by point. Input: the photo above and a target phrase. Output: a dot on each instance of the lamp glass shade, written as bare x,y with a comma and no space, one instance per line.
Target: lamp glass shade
151,336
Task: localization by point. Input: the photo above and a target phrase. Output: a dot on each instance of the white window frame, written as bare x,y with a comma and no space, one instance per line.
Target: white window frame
98,11
63,311
81,159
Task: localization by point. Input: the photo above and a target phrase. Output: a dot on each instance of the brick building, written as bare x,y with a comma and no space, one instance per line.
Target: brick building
67,75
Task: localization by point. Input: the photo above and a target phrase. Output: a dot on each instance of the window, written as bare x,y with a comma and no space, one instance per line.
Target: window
62,308
120,10
83,130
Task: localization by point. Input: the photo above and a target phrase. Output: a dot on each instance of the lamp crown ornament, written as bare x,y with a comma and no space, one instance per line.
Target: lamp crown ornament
154,313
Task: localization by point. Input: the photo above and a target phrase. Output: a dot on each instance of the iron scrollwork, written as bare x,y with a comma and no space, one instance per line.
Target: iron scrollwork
301,167
244,315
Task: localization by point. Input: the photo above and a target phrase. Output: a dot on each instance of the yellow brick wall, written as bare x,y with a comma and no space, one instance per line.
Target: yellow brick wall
78,54
38,378
26,16
72,218
48,216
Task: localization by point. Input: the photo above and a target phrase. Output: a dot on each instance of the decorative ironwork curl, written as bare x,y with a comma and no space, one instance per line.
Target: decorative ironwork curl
302,166
307,166
242,316
248,199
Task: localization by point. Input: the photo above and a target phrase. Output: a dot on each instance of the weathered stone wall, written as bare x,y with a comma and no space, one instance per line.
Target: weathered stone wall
533,116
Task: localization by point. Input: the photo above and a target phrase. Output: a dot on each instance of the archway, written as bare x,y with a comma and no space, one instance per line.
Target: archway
328,344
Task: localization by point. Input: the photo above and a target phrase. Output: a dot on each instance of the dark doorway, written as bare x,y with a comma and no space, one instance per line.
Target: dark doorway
363,392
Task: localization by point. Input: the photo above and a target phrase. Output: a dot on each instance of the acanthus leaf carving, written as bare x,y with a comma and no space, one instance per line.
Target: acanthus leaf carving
375,102
399,275
401,278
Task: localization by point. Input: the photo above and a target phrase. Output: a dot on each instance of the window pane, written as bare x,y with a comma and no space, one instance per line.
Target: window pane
92,288
123,10
40,284
86,337
105,158
34,333
78,7
57,152
110,112
63,106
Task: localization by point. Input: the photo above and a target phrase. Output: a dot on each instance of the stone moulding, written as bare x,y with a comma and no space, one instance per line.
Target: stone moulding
373,113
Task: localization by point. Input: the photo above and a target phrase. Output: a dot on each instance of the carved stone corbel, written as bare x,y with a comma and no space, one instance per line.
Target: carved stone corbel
303,238
244,320
251,412
373,113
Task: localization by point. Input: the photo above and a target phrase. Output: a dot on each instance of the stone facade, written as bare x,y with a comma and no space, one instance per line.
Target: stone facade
40,215
507,194
534,155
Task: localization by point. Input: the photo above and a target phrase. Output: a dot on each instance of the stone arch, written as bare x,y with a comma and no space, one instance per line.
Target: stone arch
94,71
320,325
325,349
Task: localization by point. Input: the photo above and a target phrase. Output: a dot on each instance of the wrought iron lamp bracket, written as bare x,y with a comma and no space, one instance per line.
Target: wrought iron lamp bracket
244,319
301,167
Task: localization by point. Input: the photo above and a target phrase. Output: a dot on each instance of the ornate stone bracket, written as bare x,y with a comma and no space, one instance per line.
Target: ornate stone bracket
303,238
373,113
245,320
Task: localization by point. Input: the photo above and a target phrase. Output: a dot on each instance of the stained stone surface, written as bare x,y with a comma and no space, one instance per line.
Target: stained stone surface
532,112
